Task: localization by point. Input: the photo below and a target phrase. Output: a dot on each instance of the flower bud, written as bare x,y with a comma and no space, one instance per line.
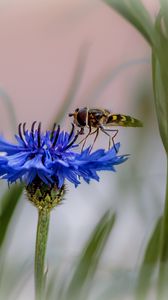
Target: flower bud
44,196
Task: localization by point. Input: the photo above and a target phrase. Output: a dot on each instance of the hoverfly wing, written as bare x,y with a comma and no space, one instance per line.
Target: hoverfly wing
122,120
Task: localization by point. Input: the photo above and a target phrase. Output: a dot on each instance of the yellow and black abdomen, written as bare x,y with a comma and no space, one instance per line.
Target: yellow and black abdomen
122,120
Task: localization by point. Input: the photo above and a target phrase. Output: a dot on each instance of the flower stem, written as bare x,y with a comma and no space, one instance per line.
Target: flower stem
41,243
163,270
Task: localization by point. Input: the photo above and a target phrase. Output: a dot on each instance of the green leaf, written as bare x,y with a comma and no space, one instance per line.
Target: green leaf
134,12
164,12
149,263
8,204
85,270
160,79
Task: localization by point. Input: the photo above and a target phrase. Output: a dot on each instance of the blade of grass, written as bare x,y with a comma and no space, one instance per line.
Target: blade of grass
85,270
161,103
164,12
160,79
134,12
8,204
149,263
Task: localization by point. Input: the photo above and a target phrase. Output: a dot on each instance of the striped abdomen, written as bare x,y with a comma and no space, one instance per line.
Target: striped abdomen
122,120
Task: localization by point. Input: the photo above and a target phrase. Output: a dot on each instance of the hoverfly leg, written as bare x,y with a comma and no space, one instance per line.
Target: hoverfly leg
104,131
90,133
97,133
116,131
83,145
85,138
110,138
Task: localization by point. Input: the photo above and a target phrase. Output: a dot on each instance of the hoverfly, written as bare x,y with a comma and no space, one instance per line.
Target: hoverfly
101,119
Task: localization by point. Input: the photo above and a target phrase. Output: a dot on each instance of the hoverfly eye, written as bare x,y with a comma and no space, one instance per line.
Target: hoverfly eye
81,117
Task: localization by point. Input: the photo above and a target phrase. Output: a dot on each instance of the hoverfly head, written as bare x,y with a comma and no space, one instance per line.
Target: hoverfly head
80,116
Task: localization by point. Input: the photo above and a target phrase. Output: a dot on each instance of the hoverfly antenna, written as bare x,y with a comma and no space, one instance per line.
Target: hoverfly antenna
71,115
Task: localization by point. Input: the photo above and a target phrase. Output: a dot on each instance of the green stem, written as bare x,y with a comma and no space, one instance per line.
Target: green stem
163,270
41,243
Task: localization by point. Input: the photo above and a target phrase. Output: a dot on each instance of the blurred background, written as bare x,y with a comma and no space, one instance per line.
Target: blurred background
56,56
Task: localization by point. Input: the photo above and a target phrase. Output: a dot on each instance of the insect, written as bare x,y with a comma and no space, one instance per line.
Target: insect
96,120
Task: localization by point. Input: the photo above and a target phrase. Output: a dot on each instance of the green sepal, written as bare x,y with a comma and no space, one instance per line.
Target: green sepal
44,196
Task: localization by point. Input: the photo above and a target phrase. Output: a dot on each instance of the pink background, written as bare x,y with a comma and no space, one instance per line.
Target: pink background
40,44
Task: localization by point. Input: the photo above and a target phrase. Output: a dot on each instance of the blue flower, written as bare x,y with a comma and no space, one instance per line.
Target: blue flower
52,157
